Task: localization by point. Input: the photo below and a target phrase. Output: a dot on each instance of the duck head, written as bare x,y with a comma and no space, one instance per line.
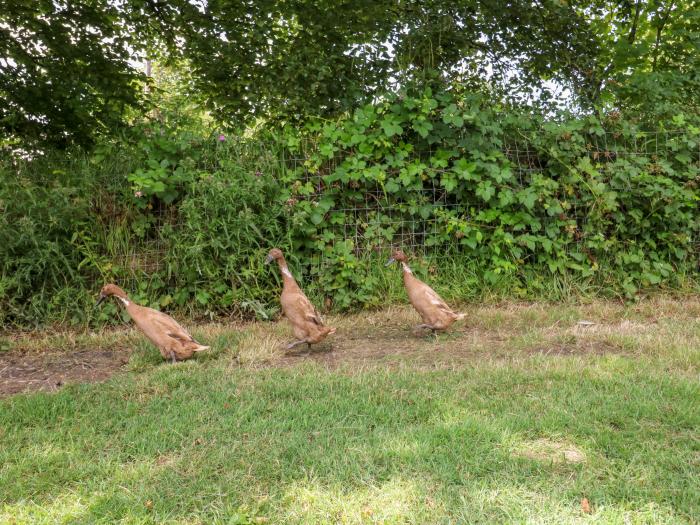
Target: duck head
274,255
109,290
396,256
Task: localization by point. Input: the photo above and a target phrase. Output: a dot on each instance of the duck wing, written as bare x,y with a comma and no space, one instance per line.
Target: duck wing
310,311
315,318
170,327
435,300
302,305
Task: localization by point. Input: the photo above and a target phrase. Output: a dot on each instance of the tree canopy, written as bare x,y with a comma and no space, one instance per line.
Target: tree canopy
67,68
64,69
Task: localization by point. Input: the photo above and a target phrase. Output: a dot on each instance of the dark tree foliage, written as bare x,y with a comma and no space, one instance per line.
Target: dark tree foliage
65,73
650,56
286,59
64,70
282,59
641,55
267,58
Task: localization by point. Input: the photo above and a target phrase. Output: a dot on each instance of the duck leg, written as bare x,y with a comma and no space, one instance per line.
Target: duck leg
172,357
297,343
432,329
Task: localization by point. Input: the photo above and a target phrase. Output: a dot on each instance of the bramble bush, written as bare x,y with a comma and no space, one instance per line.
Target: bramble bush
593,208
623,221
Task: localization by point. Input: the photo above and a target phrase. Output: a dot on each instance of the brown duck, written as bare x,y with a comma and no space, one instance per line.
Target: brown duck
434,311
173,341
307,324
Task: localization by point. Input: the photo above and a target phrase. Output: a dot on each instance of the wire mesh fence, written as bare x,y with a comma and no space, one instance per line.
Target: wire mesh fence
370,219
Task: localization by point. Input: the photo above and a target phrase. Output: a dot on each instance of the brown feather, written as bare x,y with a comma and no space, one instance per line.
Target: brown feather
171,339
296,307
433,310
164,332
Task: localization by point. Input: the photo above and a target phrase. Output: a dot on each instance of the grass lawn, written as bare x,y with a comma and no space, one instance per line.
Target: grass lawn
515,416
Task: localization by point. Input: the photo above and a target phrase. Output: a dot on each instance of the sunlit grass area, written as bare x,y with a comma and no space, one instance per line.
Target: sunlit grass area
515,416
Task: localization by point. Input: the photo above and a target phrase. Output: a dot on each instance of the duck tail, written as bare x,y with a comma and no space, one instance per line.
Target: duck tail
201,348
460,316
331,330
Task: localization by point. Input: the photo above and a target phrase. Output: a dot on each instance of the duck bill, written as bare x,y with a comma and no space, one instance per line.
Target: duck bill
269,259
390,262
99,301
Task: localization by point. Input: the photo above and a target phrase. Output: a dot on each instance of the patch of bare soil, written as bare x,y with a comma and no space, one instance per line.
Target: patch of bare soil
394,345
385,339
47,372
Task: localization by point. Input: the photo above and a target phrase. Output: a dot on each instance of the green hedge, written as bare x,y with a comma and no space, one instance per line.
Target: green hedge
490,201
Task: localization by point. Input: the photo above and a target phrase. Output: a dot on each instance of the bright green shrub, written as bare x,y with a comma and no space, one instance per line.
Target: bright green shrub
488,200
578,204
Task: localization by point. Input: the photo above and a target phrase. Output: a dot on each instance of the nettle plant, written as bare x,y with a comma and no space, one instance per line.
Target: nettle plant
438,169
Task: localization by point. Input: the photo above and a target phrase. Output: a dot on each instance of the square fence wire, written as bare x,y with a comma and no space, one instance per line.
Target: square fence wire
375,221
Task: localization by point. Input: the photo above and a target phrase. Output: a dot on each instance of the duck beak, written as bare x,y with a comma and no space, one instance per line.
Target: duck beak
269,259
99,301
390,262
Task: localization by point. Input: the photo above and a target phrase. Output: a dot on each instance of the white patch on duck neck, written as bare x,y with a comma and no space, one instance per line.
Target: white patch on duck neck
124,300
285,271
406,268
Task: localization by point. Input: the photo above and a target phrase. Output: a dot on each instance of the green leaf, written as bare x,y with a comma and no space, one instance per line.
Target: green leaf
452,116
423,128
391,126
202,297
465,169
527,197
485,190
391,186
448,181
325,204
327,150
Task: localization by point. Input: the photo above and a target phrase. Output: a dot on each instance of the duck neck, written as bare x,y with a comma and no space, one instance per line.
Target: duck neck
407,273
123,299
287,277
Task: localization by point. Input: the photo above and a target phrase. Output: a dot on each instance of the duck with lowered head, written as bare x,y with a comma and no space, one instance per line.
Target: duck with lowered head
171,339
306,323
434,311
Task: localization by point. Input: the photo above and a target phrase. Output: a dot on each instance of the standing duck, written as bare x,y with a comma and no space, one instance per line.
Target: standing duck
434,311
307,324
173,341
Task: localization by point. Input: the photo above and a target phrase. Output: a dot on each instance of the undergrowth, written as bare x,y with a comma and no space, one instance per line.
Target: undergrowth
183,218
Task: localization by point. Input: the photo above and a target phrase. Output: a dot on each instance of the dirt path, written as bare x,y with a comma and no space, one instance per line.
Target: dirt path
41,366
36,362
47,372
